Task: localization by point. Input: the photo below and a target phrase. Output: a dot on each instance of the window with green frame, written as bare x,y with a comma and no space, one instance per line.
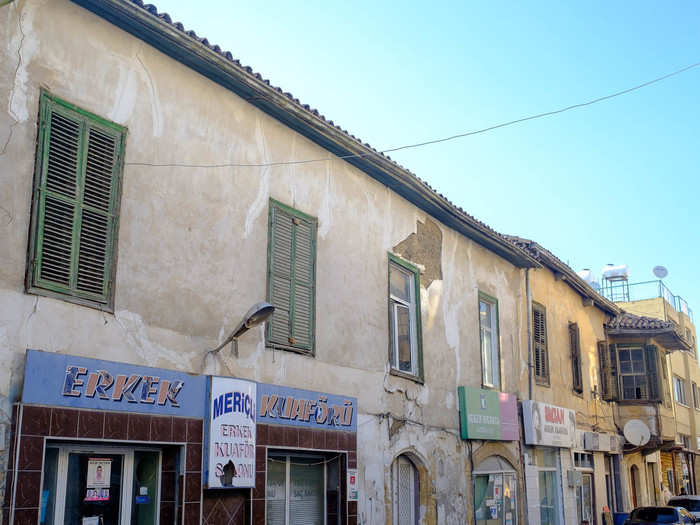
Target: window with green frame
405,348
291,278
75,209
490,341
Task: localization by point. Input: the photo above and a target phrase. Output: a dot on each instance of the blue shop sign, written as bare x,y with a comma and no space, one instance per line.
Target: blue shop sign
82,382
279,405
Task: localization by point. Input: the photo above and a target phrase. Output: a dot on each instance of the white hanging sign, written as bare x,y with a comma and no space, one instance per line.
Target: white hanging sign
548,425
231,434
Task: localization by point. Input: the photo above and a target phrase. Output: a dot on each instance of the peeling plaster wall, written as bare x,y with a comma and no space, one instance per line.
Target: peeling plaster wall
192,249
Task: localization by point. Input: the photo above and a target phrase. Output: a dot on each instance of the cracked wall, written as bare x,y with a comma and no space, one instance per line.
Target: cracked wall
193,241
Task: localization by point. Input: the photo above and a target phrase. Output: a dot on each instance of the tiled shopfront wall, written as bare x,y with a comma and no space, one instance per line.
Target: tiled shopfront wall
40,423
273,436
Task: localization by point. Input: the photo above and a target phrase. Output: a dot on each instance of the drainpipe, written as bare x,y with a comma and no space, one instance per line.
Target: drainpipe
528,323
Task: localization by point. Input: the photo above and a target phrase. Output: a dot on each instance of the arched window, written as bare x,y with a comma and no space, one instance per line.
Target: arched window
495,492
404,487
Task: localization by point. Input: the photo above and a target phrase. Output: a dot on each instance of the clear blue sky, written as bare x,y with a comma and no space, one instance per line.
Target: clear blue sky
614,182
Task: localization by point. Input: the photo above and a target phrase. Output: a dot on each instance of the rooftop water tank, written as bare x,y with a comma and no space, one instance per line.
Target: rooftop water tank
587,275
614,272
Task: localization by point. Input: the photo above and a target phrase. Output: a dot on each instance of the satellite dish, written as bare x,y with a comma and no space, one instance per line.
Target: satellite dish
636,432
660,271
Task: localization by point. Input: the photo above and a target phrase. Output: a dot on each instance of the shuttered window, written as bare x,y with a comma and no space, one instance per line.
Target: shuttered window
539,343
638,370
575,346
291,278
76,203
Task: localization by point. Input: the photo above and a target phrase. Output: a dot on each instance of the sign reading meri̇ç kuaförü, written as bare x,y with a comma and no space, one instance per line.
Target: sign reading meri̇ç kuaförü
83,382
487,414
279,405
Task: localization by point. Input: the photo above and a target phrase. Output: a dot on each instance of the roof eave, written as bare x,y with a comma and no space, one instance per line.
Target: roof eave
179,46
666,335
574,281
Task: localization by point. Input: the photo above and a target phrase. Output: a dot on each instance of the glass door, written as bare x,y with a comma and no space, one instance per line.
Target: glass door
94,489
495,497
100,486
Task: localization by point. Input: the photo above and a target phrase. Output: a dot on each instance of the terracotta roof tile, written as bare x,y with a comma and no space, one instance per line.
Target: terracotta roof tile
628,321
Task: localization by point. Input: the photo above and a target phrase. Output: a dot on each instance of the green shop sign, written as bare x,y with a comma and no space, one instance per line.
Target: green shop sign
487,414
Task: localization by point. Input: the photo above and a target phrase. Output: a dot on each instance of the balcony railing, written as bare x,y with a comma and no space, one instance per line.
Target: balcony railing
622,292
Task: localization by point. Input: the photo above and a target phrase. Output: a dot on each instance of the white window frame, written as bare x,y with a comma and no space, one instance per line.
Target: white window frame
635,374
394,304
492,305
679,390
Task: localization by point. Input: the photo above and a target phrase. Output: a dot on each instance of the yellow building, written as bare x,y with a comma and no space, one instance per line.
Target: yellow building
679,466
572,449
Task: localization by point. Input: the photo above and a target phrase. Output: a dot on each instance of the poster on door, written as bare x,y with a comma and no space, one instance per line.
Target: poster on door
230,434
352,484
99,473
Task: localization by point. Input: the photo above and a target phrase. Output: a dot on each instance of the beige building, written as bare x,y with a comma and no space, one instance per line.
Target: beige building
572,460
677,459
151,189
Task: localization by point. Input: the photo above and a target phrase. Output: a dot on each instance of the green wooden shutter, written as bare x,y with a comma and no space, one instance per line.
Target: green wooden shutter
303,284
59,193
291,278
280,276
97,220
74,230
652,372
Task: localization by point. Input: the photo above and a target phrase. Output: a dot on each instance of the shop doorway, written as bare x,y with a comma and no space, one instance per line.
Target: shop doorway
303,489
96,485
495,492
404,492
584,499
651,484
634,479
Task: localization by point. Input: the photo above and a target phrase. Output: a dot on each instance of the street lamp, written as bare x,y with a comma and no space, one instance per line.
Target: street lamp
258,314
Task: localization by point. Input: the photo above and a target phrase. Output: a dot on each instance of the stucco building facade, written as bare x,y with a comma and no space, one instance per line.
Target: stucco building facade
152,189
130,251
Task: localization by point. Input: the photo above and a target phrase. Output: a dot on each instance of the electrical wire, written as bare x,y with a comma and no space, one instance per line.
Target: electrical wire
428,142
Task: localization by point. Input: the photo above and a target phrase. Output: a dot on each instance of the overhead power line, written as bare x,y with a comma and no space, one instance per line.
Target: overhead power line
428,142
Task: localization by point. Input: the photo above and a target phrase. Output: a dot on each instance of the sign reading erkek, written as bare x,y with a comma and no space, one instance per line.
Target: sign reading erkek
548,425
231,434
83,382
